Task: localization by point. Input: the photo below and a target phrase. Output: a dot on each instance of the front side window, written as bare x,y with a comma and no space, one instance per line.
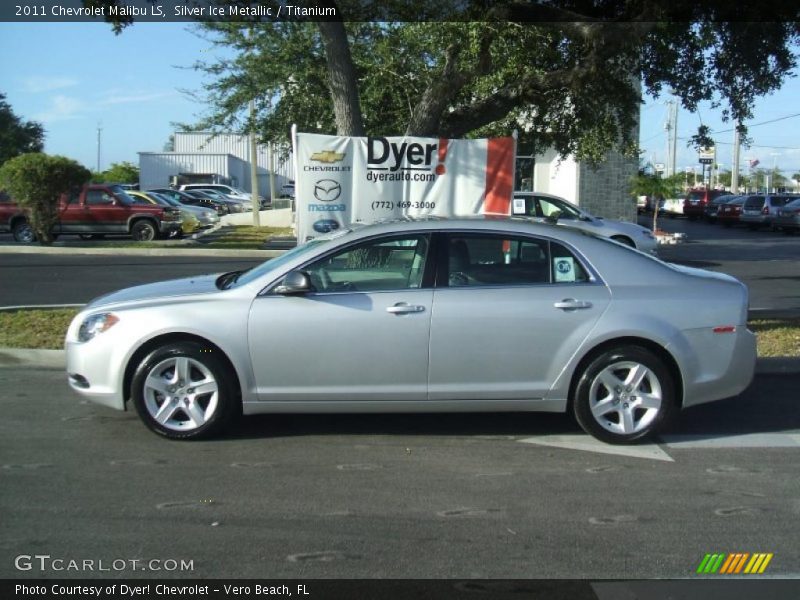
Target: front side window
377,265
475,260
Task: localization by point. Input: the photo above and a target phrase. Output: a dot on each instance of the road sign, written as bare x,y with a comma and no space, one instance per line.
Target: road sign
706,156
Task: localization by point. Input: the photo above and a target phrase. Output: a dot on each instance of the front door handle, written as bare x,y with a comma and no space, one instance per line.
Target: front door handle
402,308
572,304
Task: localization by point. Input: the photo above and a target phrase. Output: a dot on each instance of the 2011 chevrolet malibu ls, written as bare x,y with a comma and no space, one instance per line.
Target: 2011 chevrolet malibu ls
483,314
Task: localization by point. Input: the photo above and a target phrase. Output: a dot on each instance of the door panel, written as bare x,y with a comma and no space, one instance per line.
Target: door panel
507,343
510,313
341,347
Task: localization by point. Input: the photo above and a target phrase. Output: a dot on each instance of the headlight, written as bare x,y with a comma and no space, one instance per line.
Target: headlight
96,324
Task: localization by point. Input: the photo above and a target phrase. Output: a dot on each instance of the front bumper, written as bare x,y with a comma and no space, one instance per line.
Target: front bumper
93,372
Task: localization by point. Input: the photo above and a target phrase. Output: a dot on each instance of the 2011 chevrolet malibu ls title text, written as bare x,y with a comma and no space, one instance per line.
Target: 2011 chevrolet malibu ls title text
483,314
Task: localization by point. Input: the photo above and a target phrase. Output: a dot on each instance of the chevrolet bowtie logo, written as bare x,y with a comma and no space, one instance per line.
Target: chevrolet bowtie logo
327,190
328,156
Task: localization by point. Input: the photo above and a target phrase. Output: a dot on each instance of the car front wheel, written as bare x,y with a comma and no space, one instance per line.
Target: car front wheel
143,231
624,395
184,391
23,233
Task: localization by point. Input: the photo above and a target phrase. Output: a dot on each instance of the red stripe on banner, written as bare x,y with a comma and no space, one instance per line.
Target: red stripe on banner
499,176
442,154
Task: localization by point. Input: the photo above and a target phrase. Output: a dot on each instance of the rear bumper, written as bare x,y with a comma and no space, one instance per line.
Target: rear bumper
724,365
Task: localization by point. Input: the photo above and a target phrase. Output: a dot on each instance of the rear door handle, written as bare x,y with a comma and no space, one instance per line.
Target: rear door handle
572,304
401,308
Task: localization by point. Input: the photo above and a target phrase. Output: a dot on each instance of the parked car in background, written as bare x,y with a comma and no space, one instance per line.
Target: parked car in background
712,208
788,217
542,207
528,317
759,211
185,199
189,221
227,190
728,213
695,202
287,190
94,211
207,217
232,205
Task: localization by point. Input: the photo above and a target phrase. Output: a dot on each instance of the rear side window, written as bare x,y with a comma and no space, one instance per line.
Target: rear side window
479,260
780,201
98,198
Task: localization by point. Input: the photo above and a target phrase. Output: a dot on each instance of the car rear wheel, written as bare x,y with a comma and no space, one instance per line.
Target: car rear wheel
184,391
23,233
624,395
143,231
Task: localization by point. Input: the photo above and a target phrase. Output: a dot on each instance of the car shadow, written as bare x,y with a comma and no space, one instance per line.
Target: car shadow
771,404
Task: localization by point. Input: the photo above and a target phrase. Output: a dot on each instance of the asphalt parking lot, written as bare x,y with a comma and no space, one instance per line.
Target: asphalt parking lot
379,496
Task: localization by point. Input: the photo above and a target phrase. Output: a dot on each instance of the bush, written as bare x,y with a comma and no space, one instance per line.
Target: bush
36,181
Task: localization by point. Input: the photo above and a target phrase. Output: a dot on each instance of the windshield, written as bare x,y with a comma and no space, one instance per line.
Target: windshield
275,263
121,194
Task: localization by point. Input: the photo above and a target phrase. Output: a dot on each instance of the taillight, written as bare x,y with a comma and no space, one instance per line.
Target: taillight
765,210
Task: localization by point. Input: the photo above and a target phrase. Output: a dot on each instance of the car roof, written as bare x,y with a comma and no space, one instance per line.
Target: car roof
488,223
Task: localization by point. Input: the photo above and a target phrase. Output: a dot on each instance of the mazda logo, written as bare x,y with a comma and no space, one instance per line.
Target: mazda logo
327,190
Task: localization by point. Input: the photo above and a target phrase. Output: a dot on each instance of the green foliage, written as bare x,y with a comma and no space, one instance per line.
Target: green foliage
123,172
657,188
17,136
36,181
565,85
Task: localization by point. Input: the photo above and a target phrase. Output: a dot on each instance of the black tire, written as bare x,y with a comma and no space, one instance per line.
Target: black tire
623,240
161,366
144,231
618,364
23,232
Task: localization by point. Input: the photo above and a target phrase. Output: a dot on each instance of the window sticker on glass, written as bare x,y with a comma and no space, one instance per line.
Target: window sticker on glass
518,206
564,268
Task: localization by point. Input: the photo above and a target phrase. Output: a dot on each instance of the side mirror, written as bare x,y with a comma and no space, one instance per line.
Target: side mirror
295,282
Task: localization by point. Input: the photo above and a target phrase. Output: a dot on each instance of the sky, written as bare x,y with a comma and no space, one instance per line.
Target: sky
76,77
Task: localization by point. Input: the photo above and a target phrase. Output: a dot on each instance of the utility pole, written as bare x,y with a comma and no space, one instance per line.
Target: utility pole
99,129
254,167
254,158
674,132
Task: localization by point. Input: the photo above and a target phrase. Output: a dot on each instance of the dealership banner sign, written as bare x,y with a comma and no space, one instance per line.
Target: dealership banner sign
342,180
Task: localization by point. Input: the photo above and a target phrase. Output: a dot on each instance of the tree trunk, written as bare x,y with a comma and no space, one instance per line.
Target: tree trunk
343,84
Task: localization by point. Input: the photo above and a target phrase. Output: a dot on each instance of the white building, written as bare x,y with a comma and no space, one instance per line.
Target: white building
202,157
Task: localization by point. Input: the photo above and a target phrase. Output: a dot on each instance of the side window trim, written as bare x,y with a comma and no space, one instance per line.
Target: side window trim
427,277
442,267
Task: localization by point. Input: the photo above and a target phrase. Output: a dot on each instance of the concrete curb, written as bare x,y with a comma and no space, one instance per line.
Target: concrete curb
172,251
57,359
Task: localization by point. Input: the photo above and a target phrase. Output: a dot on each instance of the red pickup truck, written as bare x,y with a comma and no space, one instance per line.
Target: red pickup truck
95,211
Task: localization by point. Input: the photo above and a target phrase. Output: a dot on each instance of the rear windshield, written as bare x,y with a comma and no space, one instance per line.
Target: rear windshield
696,195
754,203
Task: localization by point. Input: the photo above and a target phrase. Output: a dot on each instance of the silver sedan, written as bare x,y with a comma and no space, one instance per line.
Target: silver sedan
483,314
546,207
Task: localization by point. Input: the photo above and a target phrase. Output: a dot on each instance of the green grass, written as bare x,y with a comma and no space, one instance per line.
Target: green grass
234,237
245,237
777,337
45,328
